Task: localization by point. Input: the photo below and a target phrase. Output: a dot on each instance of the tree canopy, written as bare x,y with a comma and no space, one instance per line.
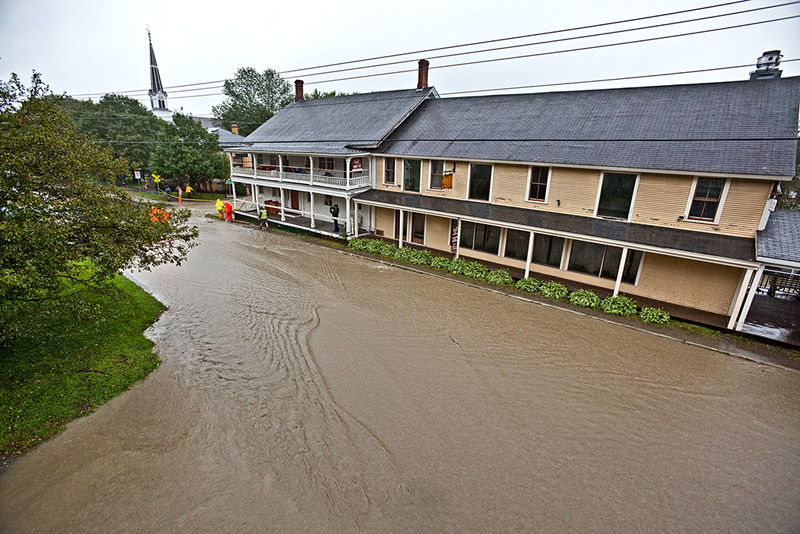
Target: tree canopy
252,98
123,121
189,154
56,213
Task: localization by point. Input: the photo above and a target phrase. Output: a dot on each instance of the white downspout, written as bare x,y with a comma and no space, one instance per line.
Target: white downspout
347,224
283,213
620,270
400,231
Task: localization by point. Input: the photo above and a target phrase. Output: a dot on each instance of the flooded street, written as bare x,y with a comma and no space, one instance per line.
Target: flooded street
307,390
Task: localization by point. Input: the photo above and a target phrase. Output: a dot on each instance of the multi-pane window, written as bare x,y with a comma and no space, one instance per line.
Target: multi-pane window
517,244
480,181
547,250
616,195
411,173
705,203
388,170
325,164
437,172
538,187
603,261
481,237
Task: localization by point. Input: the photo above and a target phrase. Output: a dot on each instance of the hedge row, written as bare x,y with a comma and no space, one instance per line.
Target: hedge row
616,305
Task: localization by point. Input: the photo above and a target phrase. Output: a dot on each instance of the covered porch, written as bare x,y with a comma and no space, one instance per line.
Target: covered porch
330,171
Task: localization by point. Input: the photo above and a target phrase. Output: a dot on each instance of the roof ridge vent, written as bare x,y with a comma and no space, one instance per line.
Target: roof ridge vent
767,66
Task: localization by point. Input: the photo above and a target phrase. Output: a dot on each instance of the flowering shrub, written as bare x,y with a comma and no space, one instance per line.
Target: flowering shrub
654,315
531,285
499,277
553,290
584,298
619,305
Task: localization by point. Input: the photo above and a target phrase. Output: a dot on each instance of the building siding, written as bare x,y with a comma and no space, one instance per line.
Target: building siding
695,284
437,233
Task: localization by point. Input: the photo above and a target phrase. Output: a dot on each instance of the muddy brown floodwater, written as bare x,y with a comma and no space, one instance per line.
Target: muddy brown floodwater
307,390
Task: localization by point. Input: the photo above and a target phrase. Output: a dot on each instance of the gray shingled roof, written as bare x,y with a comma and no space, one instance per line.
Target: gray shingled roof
675,127
226,137
360,119
740,248
780,240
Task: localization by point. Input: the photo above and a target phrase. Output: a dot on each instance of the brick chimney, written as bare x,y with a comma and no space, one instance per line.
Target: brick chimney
235,129
422,74
298,90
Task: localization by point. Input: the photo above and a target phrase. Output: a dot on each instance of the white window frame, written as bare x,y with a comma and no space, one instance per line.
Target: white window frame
633,196
722,198
430,174
403,181
383,178
547,189
469,181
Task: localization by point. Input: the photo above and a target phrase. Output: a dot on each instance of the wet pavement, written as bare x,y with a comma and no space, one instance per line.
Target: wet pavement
304,389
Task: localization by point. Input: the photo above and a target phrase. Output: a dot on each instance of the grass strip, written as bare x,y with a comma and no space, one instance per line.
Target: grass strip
71,357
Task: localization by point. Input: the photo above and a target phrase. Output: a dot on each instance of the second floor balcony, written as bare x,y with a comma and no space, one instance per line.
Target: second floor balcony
336,173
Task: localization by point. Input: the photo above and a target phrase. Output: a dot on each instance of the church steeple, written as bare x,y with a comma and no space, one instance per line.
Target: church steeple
158,97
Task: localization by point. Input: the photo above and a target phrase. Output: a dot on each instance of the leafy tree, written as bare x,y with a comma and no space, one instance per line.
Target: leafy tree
253,97
56,215
189,154
124,121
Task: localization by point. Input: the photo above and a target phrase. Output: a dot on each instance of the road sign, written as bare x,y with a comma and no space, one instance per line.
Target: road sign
156,177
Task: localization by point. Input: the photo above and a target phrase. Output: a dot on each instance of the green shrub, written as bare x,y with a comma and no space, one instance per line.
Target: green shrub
421,257
584,298
358,243
499,277
470,269
441,263
654,315
553,290
387,250
373,246
531,285
619,305
403,254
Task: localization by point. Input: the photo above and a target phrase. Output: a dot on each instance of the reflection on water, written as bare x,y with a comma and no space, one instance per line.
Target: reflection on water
304,389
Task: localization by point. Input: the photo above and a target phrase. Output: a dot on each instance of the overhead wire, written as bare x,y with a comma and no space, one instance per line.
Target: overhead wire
474,43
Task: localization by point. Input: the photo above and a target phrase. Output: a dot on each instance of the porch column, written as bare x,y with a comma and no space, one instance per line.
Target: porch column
255,194
311,169
750,295
347,224
399,230
620,270
748,274
283,213
230,161
313,224
347,171
280,172
458,239
233,190
355,217
253,163
530,256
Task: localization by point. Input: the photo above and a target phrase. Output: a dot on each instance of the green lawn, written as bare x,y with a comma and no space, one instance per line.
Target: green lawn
72,358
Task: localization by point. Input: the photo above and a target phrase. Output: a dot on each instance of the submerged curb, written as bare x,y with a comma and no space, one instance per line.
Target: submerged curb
725,346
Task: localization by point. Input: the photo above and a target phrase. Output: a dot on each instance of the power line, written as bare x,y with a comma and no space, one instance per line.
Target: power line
579,49
472,140
474,43
599,80
563,39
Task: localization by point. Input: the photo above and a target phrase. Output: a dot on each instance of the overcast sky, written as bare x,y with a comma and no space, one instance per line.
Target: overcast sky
83,46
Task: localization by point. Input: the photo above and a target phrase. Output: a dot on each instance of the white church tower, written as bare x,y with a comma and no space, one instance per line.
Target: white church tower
158,97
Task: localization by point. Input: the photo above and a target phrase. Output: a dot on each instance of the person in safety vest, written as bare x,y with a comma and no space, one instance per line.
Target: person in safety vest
263,222
220,207
228,212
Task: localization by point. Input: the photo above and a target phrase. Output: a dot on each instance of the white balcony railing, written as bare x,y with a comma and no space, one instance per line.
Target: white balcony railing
333,179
